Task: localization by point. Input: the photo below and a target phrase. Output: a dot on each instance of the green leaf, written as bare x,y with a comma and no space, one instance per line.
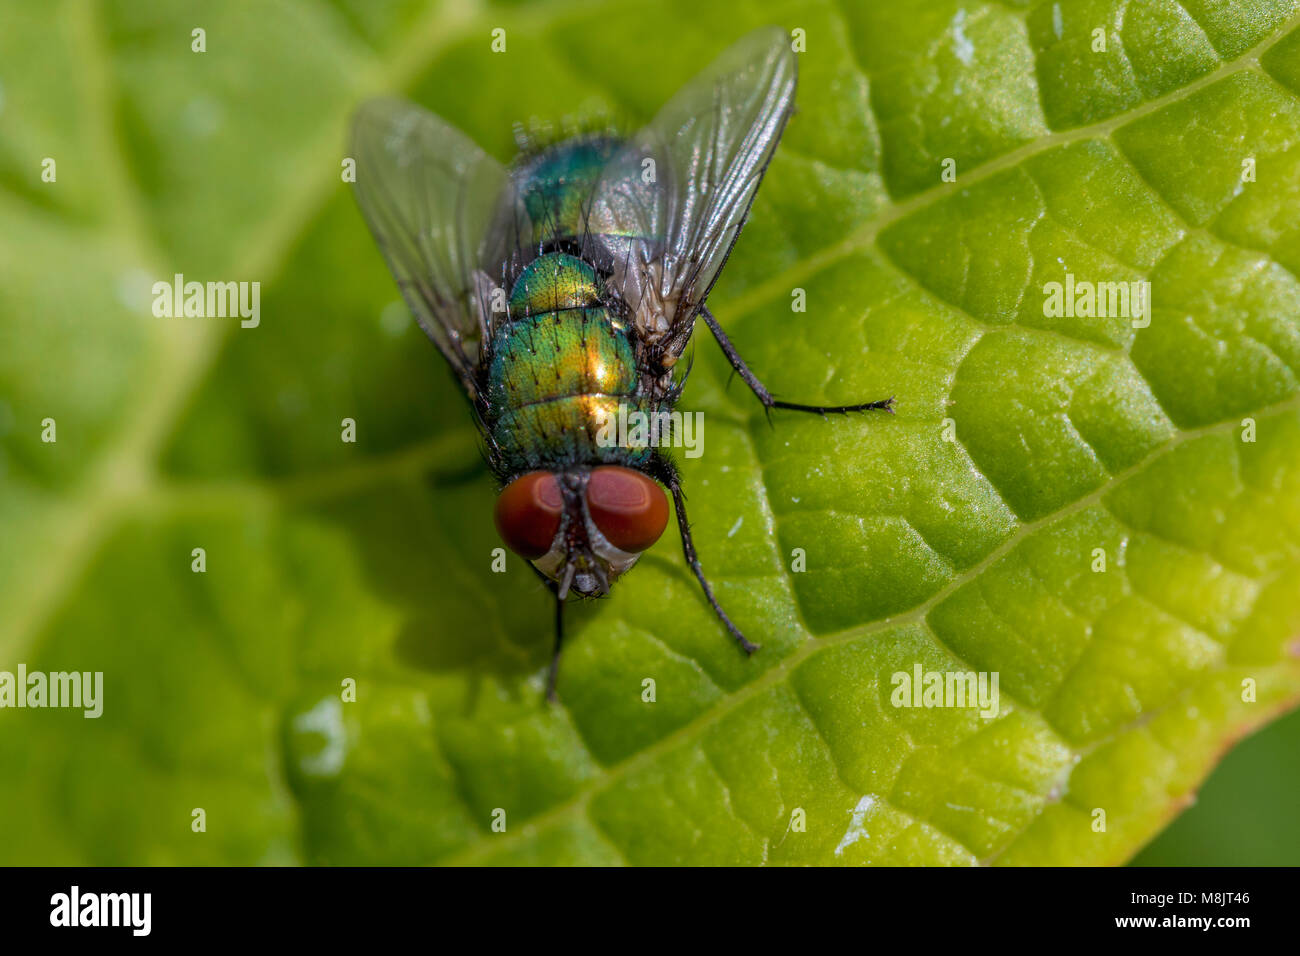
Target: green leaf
962,534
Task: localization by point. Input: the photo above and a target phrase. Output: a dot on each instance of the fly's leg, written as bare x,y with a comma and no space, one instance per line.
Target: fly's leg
666,472
553,672
764,396
688,549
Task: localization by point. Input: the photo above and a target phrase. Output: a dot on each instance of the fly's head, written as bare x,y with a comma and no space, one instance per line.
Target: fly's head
582,528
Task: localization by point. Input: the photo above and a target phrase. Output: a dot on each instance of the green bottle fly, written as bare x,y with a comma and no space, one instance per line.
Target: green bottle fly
564,289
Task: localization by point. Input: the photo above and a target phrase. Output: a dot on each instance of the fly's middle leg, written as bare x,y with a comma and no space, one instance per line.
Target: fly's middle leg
666,473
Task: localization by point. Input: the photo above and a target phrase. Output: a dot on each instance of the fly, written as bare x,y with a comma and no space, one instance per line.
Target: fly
566,287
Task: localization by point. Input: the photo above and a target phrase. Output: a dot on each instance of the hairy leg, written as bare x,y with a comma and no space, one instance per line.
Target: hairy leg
760,390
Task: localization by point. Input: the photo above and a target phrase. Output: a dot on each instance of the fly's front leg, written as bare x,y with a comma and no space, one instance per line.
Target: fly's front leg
666,473
553,673
764,396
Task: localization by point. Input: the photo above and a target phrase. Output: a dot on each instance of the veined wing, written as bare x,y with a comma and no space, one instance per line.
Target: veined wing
428,193
710,146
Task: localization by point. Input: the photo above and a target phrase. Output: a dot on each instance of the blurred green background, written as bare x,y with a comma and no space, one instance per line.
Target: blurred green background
370,561
1245,813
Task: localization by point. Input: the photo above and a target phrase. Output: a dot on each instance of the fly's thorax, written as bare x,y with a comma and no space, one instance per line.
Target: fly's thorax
561,366
554,283
559,341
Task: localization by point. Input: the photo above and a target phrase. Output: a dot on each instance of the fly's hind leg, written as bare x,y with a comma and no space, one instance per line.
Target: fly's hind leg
764,396
666,472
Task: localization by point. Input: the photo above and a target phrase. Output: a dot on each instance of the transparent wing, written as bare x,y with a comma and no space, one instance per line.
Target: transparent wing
428,194
674,220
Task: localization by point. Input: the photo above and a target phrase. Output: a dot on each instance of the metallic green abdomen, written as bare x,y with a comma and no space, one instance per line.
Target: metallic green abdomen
557,184
558,187
560,368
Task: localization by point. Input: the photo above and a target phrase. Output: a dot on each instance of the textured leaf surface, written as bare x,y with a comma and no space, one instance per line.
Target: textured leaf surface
371,561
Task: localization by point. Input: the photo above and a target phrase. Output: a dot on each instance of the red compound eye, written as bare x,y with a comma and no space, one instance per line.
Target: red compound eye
630,509
528,513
